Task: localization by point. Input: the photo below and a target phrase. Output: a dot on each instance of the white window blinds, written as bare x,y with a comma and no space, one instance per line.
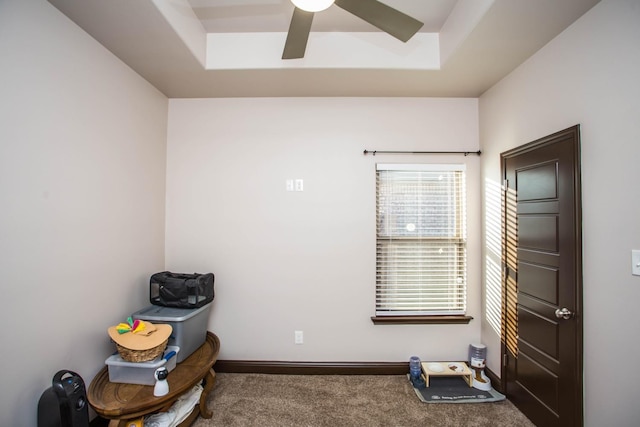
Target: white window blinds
421,258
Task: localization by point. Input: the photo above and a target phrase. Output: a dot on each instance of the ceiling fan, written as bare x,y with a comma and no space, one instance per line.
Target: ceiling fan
386,18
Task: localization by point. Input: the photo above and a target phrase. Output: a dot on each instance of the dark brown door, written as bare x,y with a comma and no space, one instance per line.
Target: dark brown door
542,328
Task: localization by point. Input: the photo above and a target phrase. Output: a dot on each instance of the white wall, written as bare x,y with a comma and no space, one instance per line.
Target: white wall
588,75
288,261
82,165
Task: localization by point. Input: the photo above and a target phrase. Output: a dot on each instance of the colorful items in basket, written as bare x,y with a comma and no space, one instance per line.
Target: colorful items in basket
140,341
134,326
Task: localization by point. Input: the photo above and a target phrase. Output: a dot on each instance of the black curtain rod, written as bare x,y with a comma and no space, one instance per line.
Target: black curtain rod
466,153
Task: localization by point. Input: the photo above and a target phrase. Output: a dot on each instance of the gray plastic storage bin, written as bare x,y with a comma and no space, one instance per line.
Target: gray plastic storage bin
121,371
189,325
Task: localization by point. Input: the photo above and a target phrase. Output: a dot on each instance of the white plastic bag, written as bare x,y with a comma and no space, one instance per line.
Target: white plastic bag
178,412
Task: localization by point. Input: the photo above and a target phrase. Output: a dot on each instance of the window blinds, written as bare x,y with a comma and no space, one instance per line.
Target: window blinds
421,240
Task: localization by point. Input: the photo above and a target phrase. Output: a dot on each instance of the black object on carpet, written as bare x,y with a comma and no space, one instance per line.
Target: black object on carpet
454,390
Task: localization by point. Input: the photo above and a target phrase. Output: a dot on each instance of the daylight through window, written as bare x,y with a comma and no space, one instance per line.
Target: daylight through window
421,261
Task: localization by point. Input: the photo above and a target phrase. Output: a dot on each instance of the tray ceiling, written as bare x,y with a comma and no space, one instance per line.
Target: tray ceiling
232,48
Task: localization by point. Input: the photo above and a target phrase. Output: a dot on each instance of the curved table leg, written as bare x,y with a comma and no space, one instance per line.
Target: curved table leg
209,382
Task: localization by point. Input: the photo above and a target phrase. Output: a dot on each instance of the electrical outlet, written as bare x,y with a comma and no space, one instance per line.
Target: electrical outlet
299,185
298,337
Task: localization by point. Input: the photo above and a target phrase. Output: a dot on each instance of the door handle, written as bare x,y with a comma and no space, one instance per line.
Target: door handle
564,313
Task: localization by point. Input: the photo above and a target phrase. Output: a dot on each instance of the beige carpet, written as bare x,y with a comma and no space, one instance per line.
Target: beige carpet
335,400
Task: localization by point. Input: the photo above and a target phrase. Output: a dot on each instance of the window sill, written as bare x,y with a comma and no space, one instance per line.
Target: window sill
419,320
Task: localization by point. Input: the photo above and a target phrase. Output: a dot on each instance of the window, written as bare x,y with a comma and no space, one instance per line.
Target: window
421,260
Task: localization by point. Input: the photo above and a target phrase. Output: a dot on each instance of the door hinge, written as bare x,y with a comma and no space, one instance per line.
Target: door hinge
505,184
505,360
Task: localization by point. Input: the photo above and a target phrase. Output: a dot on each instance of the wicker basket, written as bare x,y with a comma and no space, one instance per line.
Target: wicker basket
129,355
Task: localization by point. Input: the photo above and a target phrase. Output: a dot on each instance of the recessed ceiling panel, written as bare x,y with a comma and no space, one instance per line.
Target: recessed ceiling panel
233,16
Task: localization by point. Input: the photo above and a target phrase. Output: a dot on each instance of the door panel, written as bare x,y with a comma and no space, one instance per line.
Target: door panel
541,258
540,332
543,372
538,182
539,281
540,207
540,381
538,232
547,362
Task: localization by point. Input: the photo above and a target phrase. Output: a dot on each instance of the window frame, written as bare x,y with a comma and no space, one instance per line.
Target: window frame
422,317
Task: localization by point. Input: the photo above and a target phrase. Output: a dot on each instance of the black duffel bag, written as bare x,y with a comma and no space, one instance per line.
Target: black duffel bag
181,290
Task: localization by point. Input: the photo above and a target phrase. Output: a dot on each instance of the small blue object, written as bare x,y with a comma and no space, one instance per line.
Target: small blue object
418,383
169,355
415,367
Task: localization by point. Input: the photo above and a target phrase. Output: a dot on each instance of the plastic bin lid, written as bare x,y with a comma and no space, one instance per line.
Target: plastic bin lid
168,314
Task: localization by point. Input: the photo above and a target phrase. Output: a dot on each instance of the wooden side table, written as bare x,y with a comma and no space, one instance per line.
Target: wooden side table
125,402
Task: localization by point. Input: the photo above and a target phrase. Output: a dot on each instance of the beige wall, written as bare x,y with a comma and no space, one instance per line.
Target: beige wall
288,261
82,166
589,76
82,189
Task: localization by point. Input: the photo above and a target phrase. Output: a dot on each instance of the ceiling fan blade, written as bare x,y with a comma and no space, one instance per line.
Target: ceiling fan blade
298,34
386,18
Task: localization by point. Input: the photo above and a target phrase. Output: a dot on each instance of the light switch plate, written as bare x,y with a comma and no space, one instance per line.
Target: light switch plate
635,262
